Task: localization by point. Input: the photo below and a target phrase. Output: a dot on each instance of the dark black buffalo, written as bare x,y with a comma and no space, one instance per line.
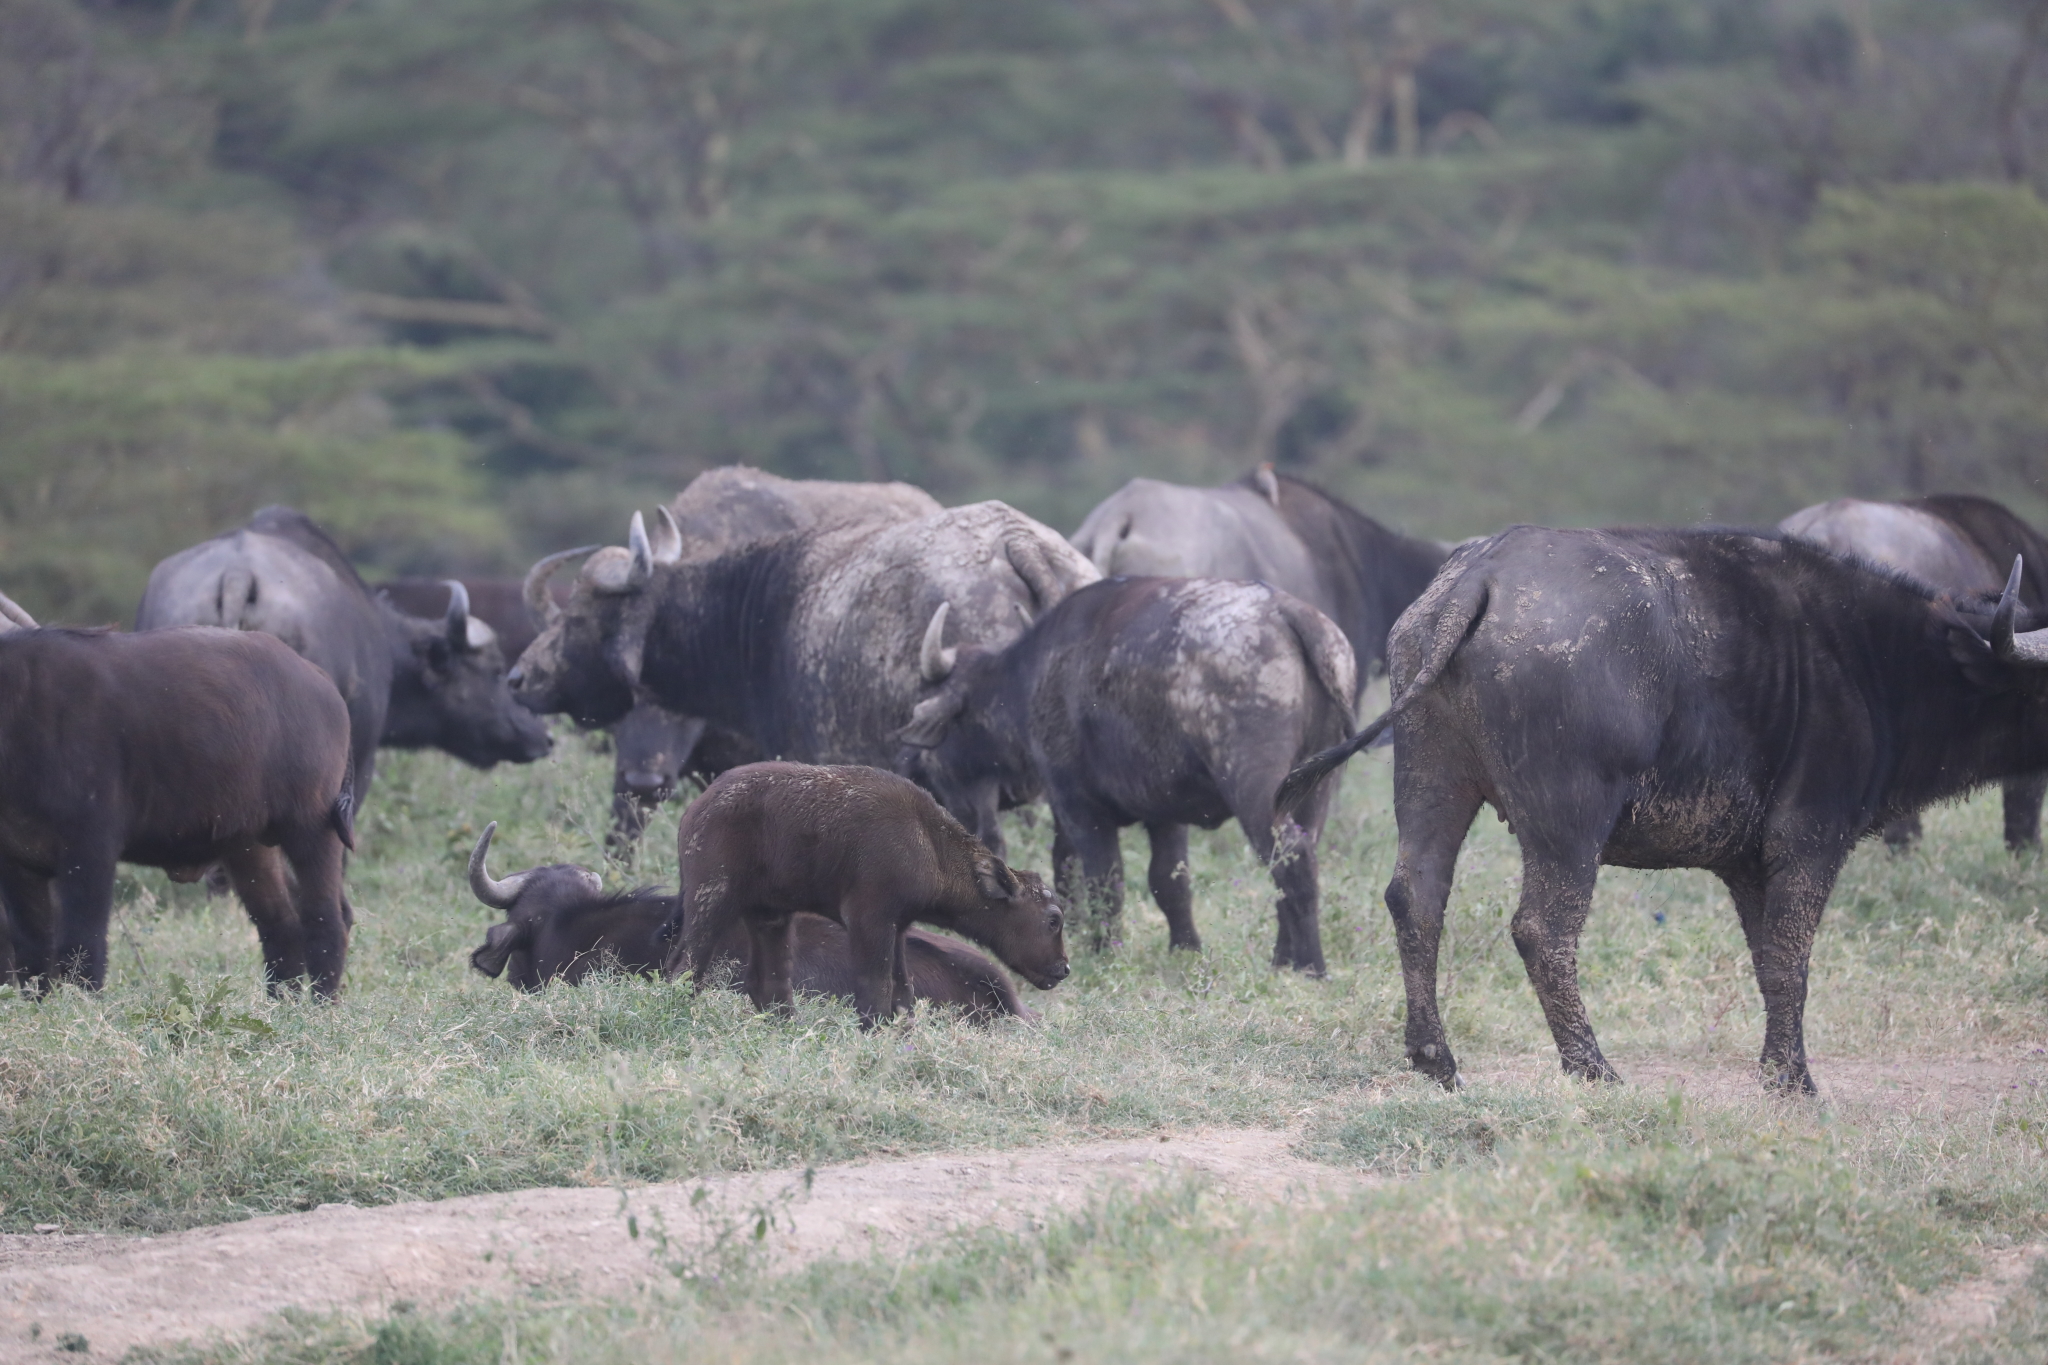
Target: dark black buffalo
178,749
560,925
1273,528
409,683
1662,698
1954,543
499,603
1165,702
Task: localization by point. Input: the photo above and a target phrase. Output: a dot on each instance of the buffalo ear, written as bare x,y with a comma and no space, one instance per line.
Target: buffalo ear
993,876
499,941
929,719
1972,654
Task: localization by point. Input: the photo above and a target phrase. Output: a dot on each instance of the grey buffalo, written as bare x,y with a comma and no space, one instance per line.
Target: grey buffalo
1275,529
1165,702
1954,543
179,749
721,510
807,645
409,683
1659,698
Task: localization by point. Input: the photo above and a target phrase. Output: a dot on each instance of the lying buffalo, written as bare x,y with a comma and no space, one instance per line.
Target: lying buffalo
1665,698
1275,529
1165,702
408,683
805,646
560,924
1953,543
177,749
863,848
721,510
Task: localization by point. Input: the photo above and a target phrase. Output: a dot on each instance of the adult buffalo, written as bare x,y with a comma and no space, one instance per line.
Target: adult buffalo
722,510
1273,528
178,749
807,646
1165,702
408,683
1955,543
1661,698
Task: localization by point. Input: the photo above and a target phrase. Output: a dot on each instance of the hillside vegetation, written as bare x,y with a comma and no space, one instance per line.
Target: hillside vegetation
467,279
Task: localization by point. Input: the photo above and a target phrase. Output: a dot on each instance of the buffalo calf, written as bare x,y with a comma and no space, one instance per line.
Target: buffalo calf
1165,702
176,749
863,848
559,924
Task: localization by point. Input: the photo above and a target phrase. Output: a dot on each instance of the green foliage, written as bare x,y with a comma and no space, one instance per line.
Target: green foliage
182,1016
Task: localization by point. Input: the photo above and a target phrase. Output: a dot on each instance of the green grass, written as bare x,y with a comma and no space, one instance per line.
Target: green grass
1520,1219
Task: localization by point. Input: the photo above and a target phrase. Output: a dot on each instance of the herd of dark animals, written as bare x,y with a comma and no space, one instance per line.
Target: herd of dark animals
1752,703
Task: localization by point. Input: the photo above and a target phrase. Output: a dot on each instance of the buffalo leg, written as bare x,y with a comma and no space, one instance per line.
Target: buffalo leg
1780,916
31,927
2023,796
1299,943
771,967
325,916
906,998
1432,819
258,876
872,941
85,902
630,814
1904,832
1557,895
1172,884
1100,894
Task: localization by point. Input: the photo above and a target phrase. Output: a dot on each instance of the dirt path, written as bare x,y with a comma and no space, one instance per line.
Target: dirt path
119,1292
1966,1310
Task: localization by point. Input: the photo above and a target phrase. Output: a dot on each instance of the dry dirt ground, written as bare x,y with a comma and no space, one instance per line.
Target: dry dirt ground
118,1292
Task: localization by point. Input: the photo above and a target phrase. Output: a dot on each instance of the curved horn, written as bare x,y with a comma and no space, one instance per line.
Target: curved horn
643,553
935,663
2030,648
499,895
12,612
2008,606
539,605
457,621
668,537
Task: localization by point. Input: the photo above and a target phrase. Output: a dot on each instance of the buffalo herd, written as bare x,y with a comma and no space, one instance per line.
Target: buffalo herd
862,681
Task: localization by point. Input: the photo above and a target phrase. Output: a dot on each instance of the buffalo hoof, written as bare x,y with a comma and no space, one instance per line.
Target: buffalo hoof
1781,1079
1434,1060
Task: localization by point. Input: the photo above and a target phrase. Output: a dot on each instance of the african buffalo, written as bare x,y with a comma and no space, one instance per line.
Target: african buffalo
1164,702
560,924
806,646
863,848
1273,528
409,683
720,510
1662,698
176,749
1958,544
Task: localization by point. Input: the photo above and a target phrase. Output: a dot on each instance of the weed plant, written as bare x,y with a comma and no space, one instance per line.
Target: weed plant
1521,1218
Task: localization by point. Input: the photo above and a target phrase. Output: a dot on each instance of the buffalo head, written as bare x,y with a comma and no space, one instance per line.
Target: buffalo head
448,691
586,660
959,744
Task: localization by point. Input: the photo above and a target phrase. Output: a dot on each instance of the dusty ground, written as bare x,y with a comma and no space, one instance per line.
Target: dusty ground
119,1292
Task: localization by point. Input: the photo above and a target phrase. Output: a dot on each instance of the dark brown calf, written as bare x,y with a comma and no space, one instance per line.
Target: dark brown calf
864,848
560,924
175,749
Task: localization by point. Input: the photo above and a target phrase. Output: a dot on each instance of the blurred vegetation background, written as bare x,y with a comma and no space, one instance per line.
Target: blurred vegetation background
468,279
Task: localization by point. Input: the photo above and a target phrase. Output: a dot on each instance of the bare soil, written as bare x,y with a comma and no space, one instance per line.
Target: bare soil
121,1292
